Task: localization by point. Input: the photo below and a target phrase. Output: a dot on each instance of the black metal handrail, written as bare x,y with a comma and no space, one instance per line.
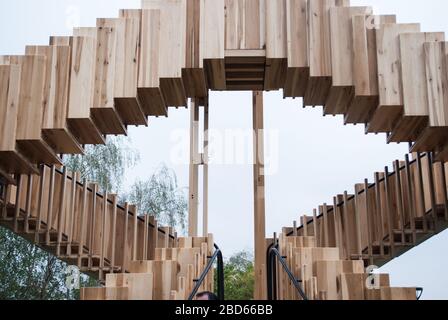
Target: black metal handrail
272,255
217,256
419,293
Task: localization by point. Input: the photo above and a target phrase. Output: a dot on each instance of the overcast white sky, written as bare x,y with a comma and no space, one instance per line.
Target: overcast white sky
317,157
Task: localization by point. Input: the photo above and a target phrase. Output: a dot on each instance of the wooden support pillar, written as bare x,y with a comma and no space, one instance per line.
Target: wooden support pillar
197,160
205,171
194,170
259,198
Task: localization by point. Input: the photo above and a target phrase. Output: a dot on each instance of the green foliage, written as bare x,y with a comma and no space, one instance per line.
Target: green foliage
161,197
29,273
239,277
106,164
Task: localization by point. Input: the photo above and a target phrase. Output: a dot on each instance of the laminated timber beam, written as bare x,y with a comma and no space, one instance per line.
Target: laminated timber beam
260,292
146,60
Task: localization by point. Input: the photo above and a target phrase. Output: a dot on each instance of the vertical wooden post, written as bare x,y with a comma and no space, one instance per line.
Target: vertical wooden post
411,200
347,230
40,203
205,170
194,168
29,194
61,211
83,224
50,206
390,220
114,232
369,221
17,203
379,212
71,217
259,197
125,237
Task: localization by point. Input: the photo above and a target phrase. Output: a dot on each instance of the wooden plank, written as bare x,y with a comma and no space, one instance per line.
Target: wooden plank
435,136
365,69
149,94
369,223
379,224
103,112
415,115
172,53
358,224
82,77
259,198
92,224
17,204
29,195
352,286
134,210
104,217
245,24
319,50
125,263
400,199
212,42
165,278
83,224
114,230
298,70
389,76
61,214
140,286
342,90
410,190
126,68
398,294
276,45
31,107
390,222
71,215
49,215
205,171
11,161
40,202
56,93
194,170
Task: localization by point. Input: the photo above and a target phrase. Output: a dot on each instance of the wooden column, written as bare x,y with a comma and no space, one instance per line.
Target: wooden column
194,170
259,198
205,171
198,159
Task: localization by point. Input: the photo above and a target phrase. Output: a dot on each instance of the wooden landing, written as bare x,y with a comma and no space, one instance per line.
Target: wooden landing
245,70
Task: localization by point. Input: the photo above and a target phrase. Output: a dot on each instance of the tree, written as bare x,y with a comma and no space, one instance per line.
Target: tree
239,277
161,197
29,273
106,164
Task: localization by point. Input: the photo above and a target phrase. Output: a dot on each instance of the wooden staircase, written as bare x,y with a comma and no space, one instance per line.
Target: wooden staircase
324,275
381,222
78,89
81,226
171,275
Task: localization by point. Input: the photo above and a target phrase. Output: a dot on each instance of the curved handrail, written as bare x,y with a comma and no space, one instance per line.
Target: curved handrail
217,256
273,253
420,293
